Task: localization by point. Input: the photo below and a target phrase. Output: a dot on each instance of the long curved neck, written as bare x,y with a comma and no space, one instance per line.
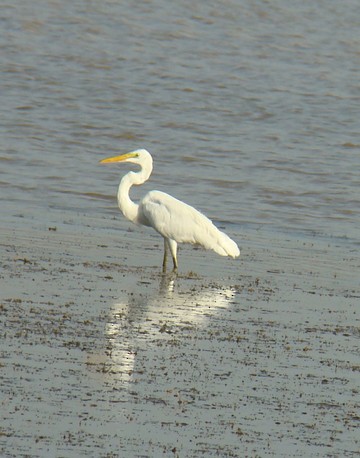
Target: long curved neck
129,208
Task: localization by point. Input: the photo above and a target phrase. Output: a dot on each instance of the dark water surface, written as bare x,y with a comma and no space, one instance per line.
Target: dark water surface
251,111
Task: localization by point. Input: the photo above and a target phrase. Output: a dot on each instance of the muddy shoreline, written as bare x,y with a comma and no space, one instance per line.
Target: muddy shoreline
101,355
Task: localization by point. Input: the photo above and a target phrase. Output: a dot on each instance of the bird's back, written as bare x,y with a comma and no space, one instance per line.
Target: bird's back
176,220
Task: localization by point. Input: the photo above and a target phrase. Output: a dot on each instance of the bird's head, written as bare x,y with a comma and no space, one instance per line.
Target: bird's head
139,156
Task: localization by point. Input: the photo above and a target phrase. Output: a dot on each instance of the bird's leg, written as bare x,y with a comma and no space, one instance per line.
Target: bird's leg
173,249
165,256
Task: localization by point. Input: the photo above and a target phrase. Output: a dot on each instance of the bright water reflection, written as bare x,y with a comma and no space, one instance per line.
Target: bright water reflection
150,323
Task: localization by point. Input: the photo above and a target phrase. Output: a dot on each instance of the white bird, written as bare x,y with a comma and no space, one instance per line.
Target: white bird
176,221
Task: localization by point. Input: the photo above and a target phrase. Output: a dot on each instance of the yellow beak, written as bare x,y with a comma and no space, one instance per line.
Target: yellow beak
120,158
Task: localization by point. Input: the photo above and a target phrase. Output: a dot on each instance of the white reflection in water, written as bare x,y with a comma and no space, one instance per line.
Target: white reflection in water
146,318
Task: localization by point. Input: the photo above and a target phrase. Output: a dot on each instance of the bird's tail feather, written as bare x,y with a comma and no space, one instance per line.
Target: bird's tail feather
225,246
219,242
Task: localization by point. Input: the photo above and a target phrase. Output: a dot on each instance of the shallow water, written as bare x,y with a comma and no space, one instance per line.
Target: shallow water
251,111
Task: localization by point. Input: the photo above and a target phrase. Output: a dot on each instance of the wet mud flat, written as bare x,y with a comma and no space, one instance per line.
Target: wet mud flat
101,355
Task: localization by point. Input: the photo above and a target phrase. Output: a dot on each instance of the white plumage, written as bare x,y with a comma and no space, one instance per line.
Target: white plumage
176,221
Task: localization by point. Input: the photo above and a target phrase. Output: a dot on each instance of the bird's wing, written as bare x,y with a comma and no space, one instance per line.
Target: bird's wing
178,221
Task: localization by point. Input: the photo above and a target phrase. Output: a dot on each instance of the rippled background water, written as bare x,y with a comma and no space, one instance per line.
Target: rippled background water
251,110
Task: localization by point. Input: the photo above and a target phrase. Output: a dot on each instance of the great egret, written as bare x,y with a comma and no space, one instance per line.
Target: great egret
176,221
